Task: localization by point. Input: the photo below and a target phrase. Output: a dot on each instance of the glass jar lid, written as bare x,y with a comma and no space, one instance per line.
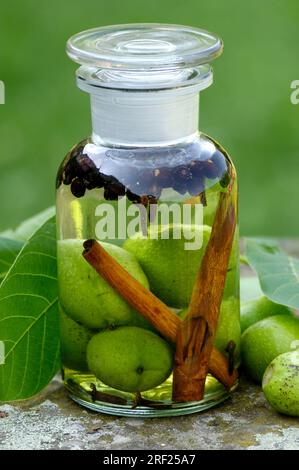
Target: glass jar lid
159,47
144,56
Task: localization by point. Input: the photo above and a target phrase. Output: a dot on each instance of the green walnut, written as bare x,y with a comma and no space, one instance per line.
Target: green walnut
228,328
232,282
255,310
171,269
74,340
86,296
129,358
265,340
281,383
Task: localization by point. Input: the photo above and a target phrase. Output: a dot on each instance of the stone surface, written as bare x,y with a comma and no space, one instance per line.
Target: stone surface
53,421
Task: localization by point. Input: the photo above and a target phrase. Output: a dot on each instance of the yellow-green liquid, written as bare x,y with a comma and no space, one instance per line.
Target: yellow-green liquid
77,220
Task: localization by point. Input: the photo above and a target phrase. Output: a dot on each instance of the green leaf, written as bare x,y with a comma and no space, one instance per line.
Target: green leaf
27,228
278,273
29,325
8,252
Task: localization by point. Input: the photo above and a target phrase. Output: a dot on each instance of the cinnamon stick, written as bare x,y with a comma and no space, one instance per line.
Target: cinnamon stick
150,306
195,338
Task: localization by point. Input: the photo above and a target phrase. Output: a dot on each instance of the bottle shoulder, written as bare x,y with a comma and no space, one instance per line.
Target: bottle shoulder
190,167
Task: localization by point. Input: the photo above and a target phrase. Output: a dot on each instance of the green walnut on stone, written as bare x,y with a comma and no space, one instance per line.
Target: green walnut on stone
265,340
281,383
255,310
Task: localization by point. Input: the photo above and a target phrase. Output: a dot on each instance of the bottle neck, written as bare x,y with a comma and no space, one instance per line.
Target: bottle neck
139,118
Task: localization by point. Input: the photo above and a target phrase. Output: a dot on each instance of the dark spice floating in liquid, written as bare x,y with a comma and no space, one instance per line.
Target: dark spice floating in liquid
132,197
82,173
210,169
196,186
181,176
114,191
78,187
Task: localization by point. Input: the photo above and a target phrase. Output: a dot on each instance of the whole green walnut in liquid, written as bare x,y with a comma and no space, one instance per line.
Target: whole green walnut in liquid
170,268
74,340
129,358
88,298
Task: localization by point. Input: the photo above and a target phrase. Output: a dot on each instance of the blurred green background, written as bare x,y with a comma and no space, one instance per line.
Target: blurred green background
248,108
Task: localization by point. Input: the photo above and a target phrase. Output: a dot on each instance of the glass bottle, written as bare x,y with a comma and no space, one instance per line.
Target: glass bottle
148,262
